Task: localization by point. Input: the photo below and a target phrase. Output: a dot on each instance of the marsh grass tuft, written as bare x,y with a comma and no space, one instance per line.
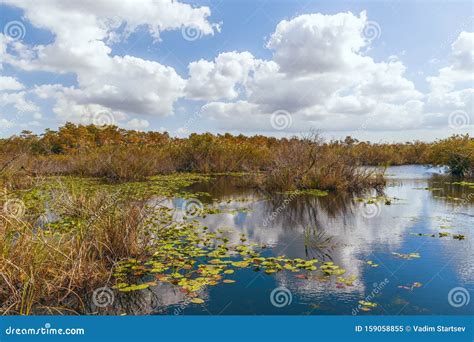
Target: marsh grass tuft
48,267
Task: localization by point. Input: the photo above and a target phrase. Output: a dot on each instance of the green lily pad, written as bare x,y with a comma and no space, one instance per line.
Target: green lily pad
197,301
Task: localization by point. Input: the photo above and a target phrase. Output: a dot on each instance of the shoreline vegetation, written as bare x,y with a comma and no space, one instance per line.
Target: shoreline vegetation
119,155
77,213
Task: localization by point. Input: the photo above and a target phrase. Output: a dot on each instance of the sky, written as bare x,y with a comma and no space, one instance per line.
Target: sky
375,70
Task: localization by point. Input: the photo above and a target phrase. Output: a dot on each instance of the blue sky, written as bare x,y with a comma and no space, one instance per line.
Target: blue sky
378,70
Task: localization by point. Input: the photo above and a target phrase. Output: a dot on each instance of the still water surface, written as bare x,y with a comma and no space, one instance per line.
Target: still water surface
352,234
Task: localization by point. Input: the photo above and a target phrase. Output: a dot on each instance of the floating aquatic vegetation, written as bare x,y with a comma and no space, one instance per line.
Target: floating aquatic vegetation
311,192
366,305
421,234
349,281
43,193
330,269
459,237
468,184
446,227
212,210
136,287
407,256
430,189
372,264
410,287
64,225
191,257
232,174
197,300
449,198
440,234
239,210
378,199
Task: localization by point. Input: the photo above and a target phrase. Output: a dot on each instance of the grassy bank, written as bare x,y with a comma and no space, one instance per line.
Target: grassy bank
61,238
118,155
124,155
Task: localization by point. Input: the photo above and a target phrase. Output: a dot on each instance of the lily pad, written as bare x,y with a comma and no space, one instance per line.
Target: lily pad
197,300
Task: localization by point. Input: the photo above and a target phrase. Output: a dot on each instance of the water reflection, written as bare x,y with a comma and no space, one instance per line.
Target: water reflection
345,230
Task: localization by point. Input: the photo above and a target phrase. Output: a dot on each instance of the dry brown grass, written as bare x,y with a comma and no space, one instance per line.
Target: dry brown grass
310,164
46,271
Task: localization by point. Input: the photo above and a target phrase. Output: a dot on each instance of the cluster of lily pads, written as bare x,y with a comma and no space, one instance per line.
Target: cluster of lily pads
191,257
310,192
411,286
441,235
212,210
464,183
43,192
366,305
372,264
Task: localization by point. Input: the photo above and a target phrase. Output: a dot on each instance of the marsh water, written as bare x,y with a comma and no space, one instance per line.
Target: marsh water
361,236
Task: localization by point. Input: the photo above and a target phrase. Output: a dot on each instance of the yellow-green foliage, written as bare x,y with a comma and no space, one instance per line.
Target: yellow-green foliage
456,152
122,155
